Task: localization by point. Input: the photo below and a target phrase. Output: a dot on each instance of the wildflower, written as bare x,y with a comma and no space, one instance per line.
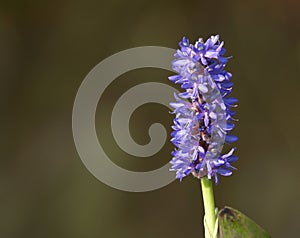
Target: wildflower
204,115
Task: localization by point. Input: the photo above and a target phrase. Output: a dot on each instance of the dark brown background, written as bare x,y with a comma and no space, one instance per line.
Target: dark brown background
47,48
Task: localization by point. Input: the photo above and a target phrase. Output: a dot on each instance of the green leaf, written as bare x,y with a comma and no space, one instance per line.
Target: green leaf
234,224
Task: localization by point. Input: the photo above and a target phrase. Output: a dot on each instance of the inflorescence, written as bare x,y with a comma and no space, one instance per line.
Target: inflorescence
203,112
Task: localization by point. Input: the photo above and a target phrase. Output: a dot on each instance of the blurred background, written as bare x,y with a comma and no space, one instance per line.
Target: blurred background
46,50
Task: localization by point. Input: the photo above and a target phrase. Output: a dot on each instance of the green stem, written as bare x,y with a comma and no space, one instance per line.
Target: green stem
209,206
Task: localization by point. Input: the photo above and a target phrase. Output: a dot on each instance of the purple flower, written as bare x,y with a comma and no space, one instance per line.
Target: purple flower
204,115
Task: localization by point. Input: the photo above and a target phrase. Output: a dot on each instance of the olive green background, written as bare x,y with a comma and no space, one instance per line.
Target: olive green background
46,50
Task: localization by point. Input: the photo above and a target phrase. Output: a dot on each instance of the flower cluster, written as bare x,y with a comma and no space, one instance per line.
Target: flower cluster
203,111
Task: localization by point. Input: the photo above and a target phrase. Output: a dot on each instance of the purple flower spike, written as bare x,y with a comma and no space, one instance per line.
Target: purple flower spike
204,115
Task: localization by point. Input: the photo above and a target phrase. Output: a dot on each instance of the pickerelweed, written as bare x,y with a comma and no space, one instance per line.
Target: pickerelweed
204,115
